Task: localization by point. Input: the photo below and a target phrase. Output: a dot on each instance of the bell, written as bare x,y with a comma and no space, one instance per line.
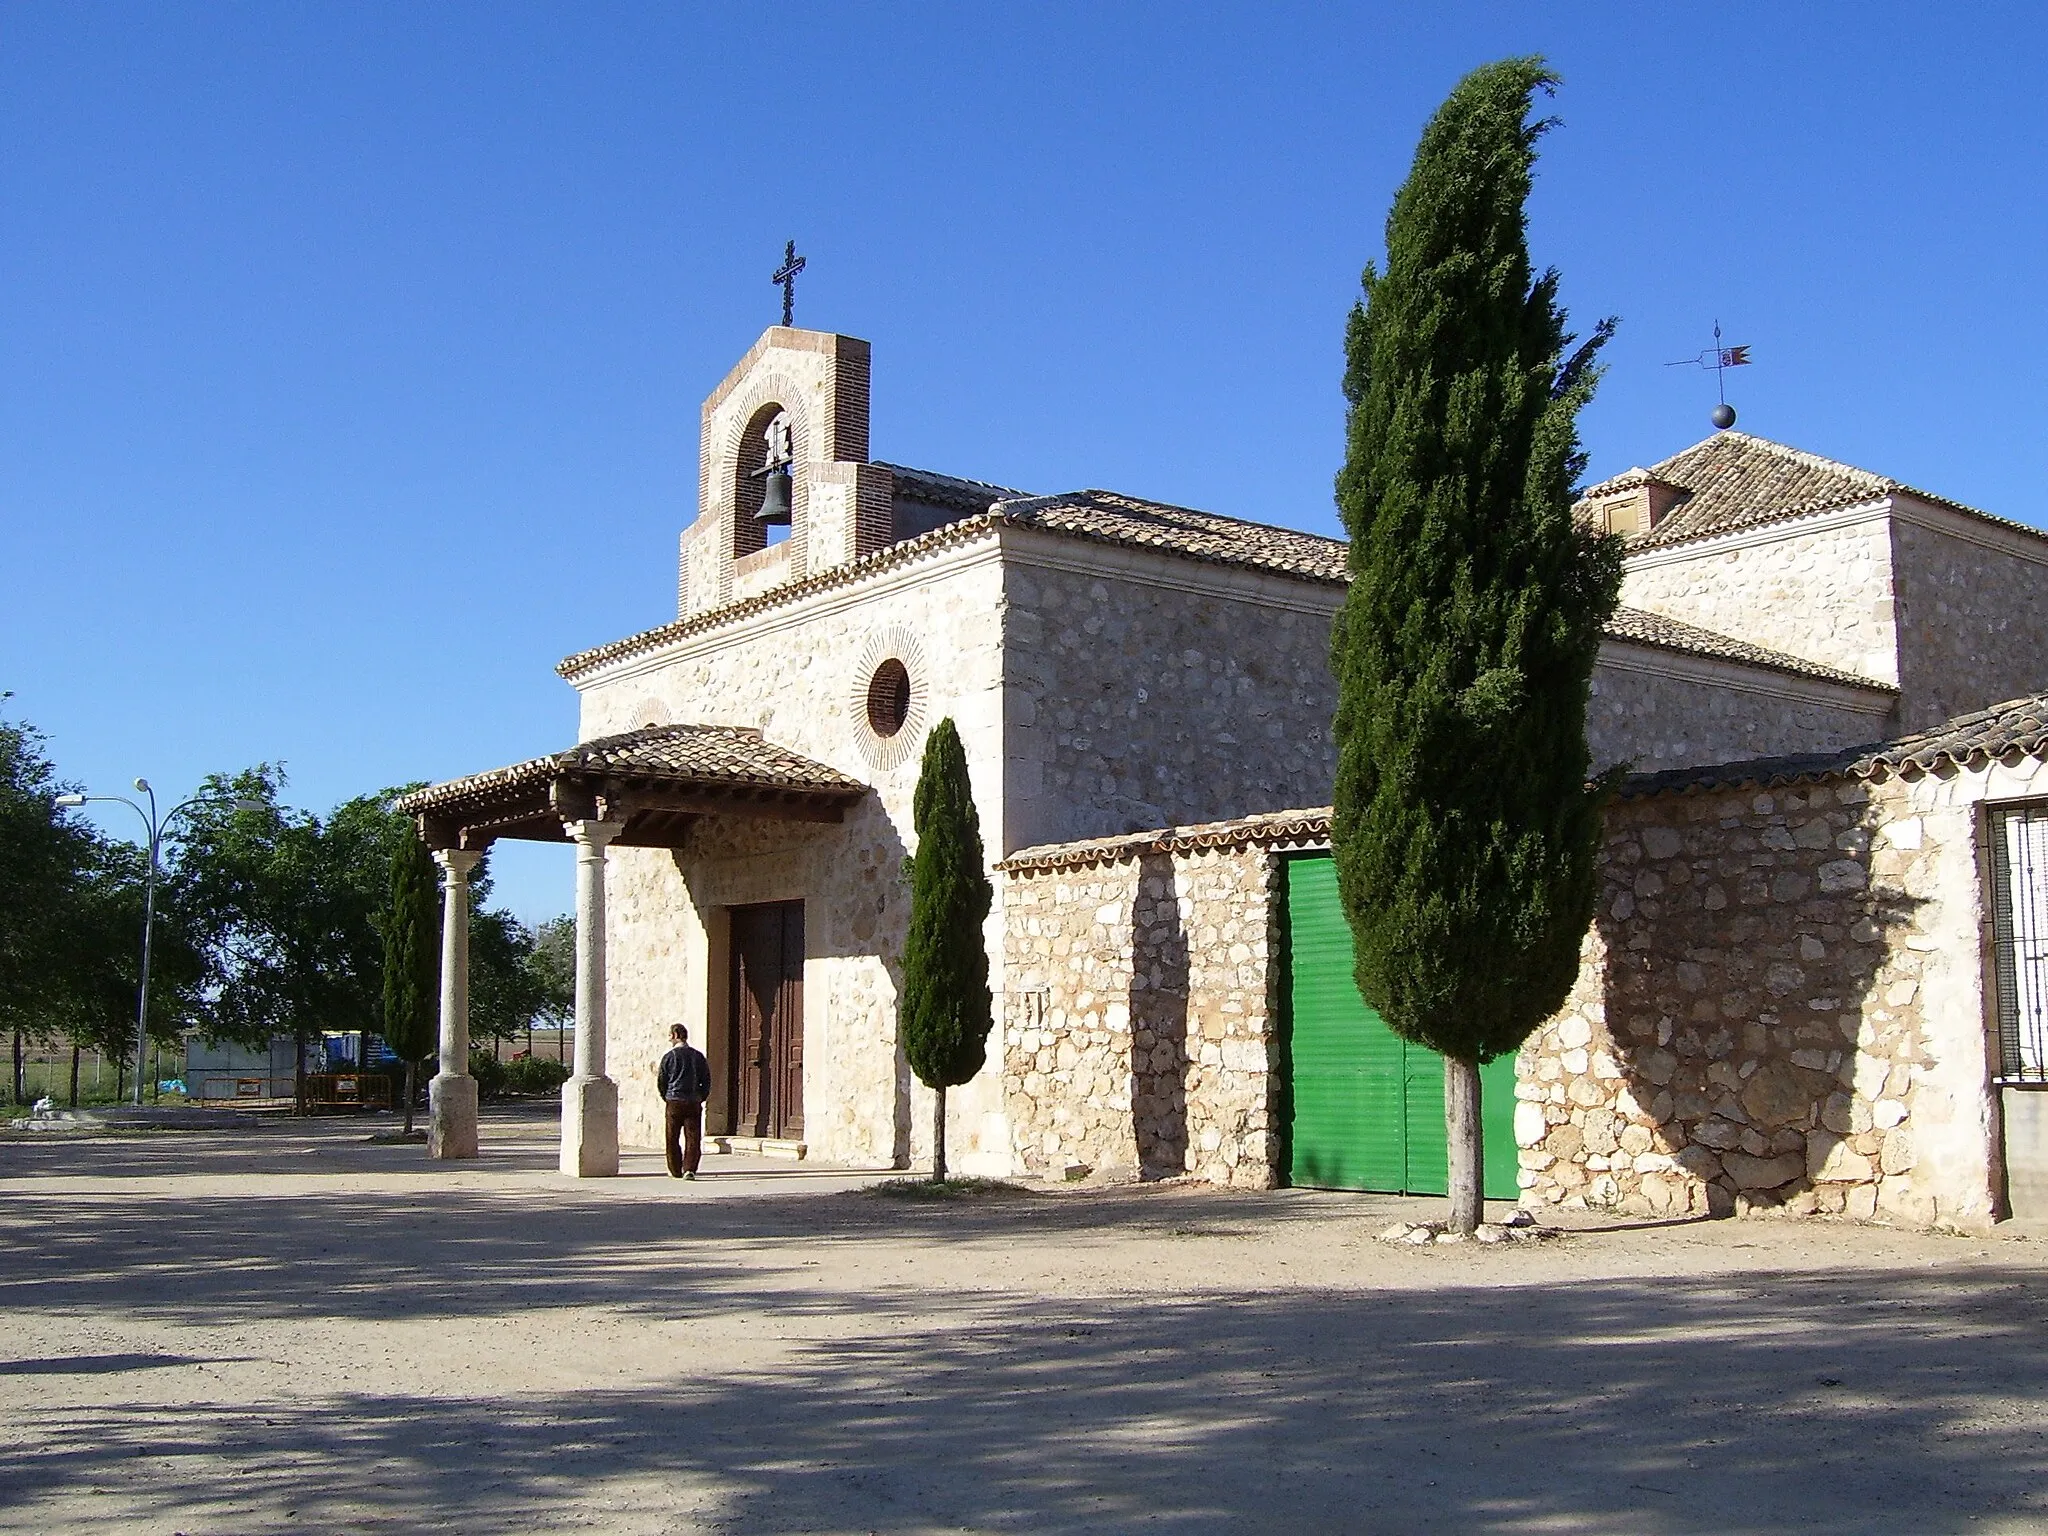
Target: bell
774,499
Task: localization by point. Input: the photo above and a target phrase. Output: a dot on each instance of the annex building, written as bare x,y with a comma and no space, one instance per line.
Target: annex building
1800,989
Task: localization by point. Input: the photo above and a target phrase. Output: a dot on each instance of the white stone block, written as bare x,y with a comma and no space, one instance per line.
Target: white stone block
451,1116
590,1128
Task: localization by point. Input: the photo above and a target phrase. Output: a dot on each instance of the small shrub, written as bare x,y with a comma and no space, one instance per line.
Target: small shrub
489,1073
538,1075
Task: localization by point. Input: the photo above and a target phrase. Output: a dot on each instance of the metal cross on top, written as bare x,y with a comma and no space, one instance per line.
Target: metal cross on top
786,276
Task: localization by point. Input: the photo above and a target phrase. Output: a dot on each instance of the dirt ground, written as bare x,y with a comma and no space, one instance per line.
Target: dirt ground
291,1329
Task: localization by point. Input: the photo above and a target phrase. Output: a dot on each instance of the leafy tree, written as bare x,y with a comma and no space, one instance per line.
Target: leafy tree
553,963
102,966
504,990
42,855
946,1012
71,921
412,962
1465,828
287,906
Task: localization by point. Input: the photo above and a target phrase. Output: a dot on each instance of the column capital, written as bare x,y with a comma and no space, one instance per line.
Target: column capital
592,834
458,862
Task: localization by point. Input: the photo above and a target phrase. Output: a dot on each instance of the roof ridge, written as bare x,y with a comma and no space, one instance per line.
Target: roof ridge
1802,456
958,531
939,474
1224,517
1961,742
1309,824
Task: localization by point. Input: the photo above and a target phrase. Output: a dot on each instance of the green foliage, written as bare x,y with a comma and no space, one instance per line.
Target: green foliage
489,1073
523,1075
43,858
71,903
536,1075
505,993
1464,827
945,1012
288,906
412,953
553,964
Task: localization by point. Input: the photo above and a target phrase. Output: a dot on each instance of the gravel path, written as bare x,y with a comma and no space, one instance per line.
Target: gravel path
289,1329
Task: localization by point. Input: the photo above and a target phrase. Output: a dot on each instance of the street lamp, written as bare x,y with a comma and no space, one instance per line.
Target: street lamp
155,826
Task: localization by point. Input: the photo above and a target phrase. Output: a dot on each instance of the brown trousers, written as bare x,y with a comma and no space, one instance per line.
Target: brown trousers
688,1120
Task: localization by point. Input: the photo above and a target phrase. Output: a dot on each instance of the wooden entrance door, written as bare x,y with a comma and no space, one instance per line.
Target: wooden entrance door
767,1045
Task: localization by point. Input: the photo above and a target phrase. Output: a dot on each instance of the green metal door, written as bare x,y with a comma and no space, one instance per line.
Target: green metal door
1364,1109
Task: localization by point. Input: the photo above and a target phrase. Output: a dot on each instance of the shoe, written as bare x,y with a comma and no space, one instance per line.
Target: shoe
691,1176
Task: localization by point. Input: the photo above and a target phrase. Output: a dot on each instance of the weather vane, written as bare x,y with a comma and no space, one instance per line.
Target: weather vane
1720,359
785,275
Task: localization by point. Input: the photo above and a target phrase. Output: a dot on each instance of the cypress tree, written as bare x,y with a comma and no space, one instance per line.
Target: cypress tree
1465,828
412,962
945,1012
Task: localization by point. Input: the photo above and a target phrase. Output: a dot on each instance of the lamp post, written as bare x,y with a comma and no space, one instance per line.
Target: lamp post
155,826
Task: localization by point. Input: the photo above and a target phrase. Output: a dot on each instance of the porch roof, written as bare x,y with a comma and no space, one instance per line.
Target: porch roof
655,781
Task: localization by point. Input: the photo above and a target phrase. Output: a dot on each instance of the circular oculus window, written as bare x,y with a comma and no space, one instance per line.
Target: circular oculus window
888,698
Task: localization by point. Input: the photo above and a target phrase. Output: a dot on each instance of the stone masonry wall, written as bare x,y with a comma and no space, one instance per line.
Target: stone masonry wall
1825,596
1780,1005
1973,626
800,676
1658,710
1136,700
1140,1015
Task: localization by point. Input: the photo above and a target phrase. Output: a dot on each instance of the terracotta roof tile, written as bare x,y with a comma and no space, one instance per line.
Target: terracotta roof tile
2016,727
1654,629
1734,481
1273,829
938,490
1110,517
1113,518
720,755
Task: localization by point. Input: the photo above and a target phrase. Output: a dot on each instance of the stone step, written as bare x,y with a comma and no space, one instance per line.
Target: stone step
758,1146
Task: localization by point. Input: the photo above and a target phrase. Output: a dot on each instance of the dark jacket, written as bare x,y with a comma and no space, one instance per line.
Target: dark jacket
685,1076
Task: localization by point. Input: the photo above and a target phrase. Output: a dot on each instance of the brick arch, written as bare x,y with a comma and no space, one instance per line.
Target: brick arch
744,451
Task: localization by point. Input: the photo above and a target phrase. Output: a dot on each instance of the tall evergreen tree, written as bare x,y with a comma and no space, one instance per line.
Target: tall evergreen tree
945,1012
412,962
1465,828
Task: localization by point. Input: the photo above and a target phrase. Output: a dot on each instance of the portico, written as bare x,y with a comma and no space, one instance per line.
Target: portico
638,789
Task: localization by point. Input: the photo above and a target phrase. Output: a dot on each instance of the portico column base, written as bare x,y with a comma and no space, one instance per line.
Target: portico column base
590,1128
451,1115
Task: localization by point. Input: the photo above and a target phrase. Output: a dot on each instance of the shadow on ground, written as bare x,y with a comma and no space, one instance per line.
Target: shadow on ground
1605,1406
1768,1401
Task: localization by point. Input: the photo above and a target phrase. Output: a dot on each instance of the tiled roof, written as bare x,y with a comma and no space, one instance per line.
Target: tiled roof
1109,517
887,558
1273,829
2017,727
1654,629
708,755
936,490
1113,518
1734,481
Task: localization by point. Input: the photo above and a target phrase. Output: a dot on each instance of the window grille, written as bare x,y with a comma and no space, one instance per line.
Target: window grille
2019,928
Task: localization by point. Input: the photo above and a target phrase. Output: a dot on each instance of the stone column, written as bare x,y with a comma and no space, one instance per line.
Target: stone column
451,1117
590,1100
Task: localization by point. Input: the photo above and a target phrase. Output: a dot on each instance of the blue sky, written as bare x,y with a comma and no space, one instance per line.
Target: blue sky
350,355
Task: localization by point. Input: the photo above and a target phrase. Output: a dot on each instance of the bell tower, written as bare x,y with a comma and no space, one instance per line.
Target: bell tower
784,489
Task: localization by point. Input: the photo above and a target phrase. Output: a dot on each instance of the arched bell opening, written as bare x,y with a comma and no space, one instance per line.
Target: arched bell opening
764,490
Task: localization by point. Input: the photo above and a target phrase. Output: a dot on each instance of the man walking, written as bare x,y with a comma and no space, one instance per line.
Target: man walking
685,1078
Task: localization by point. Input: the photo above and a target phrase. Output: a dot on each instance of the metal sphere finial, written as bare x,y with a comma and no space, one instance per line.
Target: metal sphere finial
1722,416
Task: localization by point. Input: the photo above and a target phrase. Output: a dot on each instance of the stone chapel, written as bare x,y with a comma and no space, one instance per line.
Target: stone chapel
1144,697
